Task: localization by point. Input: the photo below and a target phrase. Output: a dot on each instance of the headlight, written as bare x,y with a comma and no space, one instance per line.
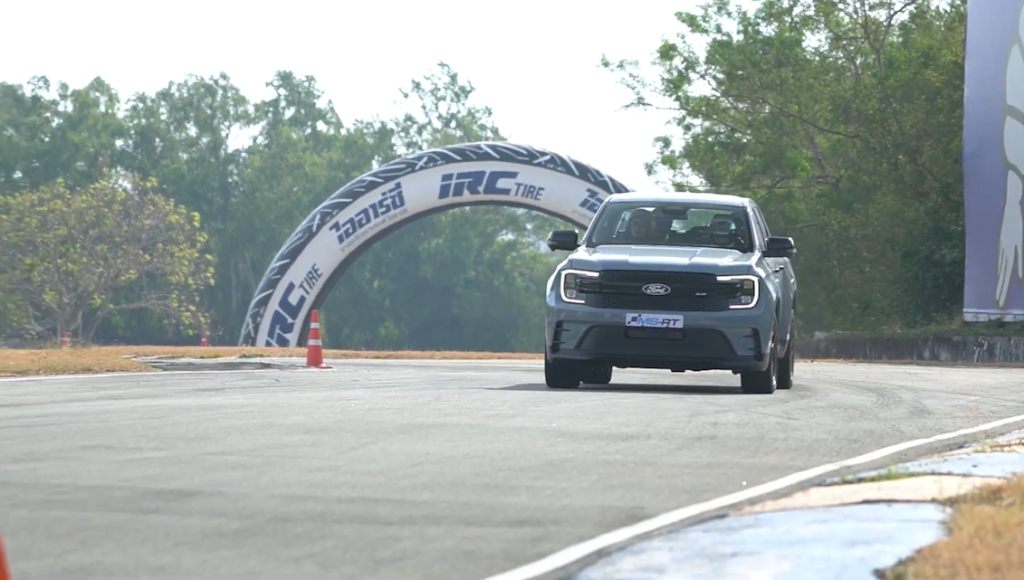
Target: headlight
569,288
748,290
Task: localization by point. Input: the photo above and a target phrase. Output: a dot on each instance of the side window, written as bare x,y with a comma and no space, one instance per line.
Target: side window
762,225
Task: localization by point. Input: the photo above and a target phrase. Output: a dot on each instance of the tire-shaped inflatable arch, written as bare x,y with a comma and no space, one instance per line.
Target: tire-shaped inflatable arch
372,206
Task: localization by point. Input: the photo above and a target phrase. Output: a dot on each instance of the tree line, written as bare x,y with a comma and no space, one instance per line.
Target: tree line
146,219
844,120
149,219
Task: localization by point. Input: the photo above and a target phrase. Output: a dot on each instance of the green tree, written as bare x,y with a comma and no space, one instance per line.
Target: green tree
469,278
253,171
81,256
190,137
302,154
71,134
843,119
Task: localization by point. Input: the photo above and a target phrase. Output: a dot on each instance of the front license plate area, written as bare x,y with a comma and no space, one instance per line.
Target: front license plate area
655,334
641,320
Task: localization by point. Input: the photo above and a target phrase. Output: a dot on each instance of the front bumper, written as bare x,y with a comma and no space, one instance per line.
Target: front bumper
733,340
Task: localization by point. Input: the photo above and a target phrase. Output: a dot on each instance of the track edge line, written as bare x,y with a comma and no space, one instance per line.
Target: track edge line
574,553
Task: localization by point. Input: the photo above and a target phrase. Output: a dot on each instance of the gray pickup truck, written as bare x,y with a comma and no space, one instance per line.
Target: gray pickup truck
677,281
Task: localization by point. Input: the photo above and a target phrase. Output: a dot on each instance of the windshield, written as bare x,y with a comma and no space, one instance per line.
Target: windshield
672,224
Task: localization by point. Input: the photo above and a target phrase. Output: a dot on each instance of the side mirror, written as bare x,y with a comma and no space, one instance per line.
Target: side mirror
779,247
563,240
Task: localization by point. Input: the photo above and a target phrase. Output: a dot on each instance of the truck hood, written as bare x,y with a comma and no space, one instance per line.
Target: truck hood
678,259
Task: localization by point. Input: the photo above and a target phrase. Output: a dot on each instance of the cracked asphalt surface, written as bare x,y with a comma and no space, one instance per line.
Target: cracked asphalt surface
418,469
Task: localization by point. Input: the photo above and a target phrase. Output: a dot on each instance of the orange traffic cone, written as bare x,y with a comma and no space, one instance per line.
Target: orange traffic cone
202,339
5,572
64,340
314,348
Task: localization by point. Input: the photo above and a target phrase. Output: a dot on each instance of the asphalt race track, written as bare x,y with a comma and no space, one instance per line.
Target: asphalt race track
395,469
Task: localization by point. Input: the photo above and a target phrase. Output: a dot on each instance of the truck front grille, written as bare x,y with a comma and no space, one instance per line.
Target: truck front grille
690,292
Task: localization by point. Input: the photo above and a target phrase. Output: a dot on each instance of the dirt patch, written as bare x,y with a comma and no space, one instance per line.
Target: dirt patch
986,539
103,359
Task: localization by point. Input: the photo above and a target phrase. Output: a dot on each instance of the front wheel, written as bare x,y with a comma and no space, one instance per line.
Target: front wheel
763,382
560,375
786,366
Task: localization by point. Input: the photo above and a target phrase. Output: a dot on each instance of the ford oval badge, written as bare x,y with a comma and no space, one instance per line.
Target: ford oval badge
656,289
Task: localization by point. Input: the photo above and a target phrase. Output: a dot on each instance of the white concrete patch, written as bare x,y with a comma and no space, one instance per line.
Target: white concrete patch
577,552
915,489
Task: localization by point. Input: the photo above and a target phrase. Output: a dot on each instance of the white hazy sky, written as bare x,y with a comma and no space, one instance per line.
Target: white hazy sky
534,62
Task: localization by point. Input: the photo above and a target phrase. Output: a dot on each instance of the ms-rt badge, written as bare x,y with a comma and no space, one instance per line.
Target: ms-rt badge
654,320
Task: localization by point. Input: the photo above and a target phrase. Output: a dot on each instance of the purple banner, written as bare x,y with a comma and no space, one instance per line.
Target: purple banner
993,158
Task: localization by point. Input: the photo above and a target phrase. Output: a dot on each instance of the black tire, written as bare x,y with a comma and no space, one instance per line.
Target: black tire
596,375
764,382
560,375
785,379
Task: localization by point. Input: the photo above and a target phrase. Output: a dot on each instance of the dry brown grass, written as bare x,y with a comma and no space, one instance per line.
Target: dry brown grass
986,539
103,359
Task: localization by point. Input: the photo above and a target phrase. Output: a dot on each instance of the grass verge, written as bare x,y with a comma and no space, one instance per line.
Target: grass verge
986,539
950,327
104,359
912,362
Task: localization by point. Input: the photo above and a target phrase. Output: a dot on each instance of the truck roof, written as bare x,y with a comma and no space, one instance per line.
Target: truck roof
679,196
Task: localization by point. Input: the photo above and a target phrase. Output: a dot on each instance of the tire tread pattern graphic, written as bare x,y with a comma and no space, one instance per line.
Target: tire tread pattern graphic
1011,235
397,169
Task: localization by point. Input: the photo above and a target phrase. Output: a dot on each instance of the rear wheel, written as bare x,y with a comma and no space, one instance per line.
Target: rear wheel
763,382
596,375
560,375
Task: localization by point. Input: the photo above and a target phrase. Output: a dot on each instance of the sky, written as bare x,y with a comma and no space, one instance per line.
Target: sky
534,62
